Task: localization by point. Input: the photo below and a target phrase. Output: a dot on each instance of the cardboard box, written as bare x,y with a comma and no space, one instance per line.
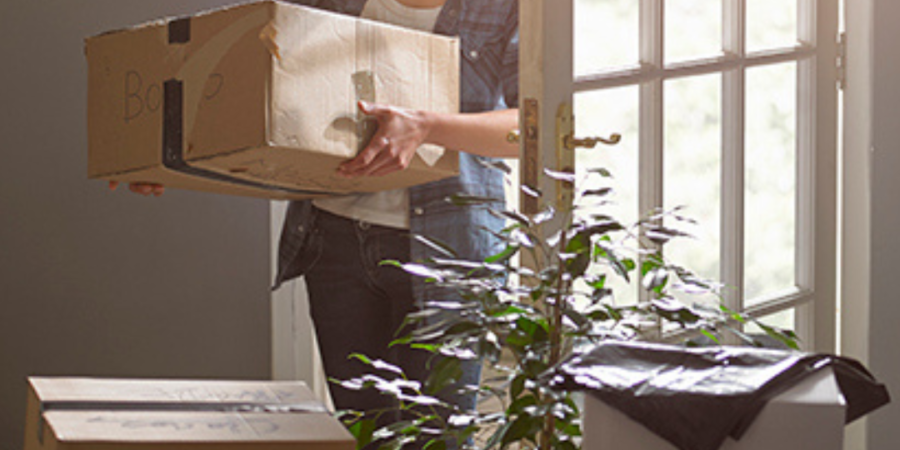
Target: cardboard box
260,100
105,414
810,415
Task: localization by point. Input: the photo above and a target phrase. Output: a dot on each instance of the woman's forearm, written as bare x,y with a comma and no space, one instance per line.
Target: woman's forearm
483,134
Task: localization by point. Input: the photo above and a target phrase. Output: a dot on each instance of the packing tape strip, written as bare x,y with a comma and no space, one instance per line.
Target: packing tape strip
224,407
302,407
173,145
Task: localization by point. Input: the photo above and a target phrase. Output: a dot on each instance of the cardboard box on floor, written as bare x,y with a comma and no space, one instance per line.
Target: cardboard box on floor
260,100
810,415
90,414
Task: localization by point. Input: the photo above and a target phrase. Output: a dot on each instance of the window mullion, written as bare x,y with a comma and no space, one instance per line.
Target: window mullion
733,143
804,256
650,166
816,173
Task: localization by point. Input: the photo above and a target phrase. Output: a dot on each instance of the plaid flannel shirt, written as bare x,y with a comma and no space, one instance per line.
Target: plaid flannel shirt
489,80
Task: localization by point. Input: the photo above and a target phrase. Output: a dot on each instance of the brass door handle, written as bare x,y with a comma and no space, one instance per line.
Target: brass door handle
571,142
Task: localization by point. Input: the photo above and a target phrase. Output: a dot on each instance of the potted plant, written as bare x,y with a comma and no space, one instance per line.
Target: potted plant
522,319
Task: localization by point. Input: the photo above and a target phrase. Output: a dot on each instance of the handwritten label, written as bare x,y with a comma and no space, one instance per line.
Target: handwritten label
232,425
142,97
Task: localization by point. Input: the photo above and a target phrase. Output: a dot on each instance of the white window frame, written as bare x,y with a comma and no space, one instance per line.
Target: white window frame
547,76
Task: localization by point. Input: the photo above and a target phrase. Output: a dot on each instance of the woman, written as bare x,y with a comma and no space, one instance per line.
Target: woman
356,304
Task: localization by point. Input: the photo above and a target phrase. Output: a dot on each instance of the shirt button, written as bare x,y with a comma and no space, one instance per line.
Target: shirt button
418,211
452,12
473,54
301,229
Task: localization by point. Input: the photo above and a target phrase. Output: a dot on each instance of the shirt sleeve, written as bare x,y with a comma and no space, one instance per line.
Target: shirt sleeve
509,72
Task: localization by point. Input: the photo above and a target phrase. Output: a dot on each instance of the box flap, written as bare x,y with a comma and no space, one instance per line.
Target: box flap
176,411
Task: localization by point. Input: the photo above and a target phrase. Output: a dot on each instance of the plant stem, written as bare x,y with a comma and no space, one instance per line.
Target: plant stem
556,317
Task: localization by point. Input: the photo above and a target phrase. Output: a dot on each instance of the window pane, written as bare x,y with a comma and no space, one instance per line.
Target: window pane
770,182
601,113
786,319
606,34
692,168
771,24
693,29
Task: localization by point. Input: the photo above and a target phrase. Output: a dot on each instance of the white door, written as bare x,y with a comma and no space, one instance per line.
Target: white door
727,107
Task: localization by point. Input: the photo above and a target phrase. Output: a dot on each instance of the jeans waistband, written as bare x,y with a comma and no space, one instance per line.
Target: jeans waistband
325,217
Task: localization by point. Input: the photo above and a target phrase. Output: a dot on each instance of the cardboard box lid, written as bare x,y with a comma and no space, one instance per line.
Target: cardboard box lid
174,411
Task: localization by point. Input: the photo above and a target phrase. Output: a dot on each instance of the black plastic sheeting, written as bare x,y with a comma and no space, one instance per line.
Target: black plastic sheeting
696,397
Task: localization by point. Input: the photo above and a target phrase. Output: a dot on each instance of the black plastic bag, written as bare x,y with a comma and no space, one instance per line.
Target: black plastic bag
696,397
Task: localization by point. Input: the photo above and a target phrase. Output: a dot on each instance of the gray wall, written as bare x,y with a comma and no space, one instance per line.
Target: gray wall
884,334
871,307
101,283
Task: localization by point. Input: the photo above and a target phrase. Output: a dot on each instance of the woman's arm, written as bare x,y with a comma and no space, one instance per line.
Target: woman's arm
402,131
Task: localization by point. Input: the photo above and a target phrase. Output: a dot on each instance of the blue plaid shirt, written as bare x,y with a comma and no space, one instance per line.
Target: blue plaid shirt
489,43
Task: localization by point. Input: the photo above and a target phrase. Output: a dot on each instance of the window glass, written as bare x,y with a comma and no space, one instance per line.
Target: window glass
606,35
786,319
771,24
692,168
693,29
770,182
602,113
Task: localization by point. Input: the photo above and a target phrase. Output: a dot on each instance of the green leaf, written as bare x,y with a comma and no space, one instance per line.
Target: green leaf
519,404
580,320
514,216
420,270
436,245
544,215
531,191
601,171
446,372
498,435
599,315
655,279
436,444
362,430
602,192
711,336
517,386
496,164
785,336
598,282
674,311
471,200
536,330
661,235
565,177
504,255
524,426
603,227
579,247
651,262
427,347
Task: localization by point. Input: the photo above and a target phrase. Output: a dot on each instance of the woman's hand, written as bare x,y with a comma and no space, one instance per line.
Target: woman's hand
145,189
400,133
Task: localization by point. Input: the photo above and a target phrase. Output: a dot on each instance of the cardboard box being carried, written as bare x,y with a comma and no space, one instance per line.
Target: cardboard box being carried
91,414
260,100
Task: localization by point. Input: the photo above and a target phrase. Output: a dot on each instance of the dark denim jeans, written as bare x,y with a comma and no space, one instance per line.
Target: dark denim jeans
357,306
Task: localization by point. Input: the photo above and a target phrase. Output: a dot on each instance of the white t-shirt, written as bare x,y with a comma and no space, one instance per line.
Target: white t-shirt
388,208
